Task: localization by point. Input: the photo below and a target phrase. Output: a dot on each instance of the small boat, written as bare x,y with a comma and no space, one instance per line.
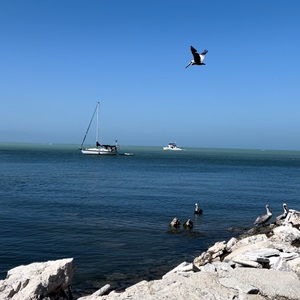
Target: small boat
127,154
98,149
172,146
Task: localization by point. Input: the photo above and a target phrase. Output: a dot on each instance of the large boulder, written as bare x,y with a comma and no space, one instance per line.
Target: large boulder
271,284
286,234
196,286
293,217
44,280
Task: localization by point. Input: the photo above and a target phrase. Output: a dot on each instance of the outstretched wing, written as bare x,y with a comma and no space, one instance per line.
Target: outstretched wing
193,50
196,55
202,55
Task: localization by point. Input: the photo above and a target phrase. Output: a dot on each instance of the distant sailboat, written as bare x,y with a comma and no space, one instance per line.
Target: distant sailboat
98,149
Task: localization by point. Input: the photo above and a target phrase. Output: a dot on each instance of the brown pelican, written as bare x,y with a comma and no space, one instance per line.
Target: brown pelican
188,224
262,220
198,210
198,58
175,223
285,212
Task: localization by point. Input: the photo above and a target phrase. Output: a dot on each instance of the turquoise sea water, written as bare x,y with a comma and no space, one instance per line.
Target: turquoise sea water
112,214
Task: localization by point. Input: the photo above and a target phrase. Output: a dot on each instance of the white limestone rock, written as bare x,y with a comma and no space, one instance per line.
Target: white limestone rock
210,268
233,241
202,260
295,266
238,253
182,268
244,261
280,265
222,266
240,283
250,240
286,234
289,255
233,283
217,247
37,280
263,252
101,291
293,217
199,286
212,254
271,283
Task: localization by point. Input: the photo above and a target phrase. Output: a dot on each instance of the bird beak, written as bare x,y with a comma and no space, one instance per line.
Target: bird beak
188,65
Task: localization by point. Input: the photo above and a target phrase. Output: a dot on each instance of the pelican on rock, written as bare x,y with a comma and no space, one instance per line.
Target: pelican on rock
262,220
198,58
198,210
285,212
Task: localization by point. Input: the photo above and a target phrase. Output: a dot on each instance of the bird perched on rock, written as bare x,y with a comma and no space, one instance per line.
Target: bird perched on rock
198,210
188,224
285,212
262,220
198,58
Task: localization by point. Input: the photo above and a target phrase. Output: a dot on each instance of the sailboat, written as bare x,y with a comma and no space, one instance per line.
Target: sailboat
98,149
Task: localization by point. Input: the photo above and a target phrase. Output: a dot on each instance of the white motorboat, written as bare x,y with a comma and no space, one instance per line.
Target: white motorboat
98,149
173,147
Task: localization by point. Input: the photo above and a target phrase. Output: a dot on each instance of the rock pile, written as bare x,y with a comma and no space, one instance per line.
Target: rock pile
37,281
262,264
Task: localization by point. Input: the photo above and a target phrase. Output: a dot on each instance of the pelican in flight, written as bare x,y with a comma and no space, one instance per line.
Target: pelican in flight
262,220
198,58
285,212
198,210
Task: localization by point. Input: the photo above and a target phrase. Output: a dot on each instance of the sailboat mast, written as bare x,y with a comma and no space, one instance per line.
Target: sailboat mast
90,125
97,129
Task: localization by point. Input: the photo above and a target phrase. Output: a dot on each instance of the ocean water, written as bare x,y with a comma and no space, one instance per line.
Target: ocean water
112,214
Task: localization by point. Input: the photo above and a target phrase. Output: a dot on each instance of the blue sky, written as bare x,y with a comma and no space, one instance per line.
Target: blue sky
59,57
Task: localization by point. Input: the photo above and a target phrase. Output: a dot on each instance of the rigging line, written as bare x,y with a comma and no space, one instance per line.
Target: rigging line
89,125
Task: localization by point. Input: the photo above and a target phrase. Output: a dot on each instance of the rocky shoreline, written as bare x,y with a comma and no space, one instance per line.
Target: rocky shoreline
263,263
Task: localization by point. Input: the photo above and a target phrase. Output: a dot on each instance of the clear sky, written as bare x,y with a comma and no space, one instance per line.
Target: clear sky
58,58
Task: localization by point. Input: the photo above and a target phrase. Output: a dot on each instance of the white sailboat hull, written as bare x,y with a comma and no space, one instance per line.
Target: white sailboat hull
108,150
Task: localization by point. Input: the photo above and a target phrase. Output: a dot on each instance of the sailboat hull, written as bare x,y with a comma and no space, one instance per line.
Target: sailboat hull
102,150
